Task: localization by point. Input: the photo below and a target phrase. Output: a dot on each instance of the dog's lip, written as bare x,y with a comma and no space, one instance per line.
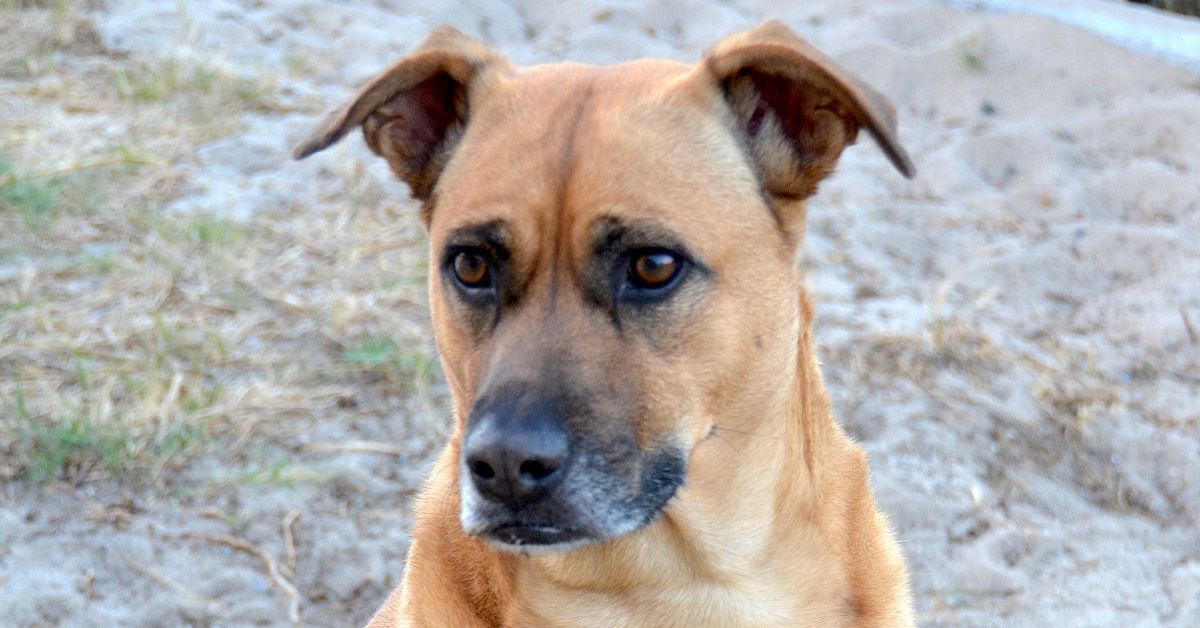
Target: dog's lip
532,534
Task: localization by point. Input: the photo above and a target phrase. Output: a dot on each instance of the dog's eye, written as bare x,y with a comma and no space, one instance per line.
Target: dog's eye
654,269
471,269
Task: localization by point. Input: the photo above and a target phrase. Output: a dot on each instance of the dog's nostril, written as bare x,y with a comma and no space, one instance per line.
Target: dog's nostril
535,470
482,470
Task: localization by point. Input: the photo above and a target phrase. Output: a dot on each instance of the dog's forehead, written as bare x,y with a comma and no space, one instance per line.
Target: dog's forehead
556,148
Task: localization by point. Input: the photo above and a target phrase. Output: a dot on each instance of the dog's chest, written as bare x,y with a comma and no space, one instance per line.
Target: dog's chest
758,604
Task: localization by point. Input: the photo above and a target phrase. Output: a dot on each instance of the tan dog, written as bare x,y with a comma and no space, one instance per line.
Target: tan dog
643,434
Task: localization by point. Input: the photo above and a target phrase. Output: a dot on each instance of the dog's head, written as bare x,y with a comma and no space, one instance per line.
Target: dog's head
612,258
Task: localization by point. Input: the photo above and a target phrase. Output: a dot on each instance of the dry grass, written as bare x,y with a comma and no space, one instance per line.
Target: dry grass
132,338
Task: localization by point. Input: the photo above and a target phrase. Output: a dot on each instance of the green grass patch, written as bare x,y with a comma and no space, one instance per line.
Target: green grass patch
33,197
163,80
280,472
127,419
71,447
128,157
239,296
27,66
209,230
205,79
56,5
70,444
15,307
256,473
144,83
93,263
99,263
371,349
182,439
41,198
393,360
970,53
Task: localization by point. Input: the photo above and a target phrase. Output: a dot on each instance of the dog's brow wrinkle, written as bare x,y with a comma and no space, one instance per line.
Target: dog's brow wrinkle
568,163
568,158
492,232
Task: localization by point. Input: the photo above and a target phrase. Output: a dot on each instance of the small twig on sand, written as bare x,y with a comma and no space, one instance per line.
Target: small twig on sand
244,434
1187,324
153,574
289,541
271,564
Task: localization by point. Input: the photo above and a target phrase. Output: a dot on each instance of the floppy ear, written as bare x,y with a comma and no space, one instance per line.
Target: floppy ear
796,108
413,113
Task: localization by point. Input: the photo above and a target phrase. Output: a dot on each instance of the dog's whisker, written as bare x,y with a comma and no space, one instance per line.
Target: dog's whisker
730,429
713,434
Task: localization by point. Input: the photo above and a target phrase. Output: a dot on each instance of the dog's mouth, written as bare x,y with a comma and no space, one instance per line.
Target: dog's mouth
535,537
600,496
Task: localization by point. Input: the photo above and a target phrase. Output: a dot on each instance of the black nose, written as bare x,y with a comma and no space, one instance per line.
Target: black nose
515,462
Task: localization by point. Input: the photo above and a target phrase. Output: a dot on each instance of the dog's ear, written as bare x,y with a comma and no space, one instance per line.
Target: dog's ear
796,108
413,113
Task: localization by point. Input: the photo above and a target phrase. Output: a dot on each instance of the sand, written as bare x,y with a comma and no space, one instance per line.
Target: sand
1011,335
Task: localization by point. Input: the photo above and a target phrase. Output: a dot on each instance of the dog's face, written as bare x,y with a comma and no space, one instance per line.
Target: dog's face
597,308
588,297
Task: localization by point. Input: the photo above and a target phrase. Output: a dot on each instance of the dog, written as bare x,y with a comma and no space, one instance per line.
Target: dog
642,435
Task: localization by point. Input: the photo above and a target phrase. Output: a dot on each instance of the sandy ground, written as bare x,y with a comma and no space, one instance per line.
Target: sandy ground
1012,335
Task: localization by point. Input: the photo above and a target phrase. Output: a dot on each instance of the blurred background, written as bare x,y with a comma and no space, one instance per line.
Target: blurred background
219,393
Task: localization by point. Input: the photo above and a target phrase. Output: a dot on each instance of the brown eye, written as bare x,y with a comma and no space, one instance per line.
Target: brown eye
471,269
654,269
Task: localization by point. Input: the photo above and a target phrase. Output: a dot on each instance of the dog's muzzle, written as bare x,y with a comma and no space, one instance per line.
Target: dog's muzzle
541,473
